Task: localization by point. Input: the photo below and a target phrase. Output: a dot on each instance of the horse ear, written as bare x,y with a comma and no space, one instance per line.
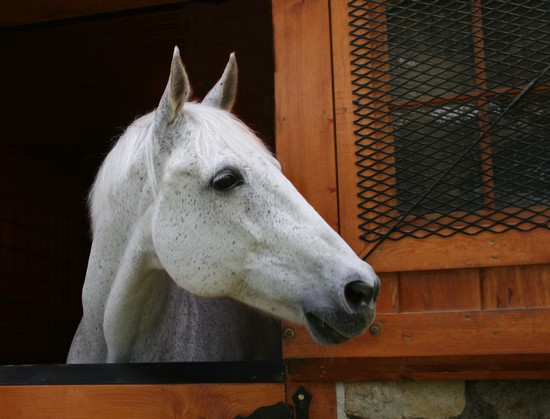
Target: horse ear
223,94
176,93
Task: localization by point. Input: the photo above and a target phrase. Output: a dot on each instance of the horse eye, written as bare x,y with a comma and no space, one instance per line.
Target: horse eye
227,179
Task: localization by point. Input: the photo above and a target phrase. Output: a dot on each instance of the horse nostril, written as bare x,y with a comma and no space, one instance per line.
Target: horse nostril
359,294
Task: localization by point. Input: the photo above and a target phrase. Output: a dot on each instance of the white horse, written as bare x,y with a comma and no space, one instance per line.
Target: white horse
191,218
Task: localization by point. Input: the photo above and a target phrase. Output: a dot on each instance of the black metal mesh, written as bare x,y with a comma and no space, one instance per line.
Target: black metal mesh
440,150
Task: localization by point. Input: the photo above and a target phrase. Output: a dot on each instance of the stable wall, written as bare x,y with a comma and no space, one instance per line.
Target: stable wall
466,307
450,307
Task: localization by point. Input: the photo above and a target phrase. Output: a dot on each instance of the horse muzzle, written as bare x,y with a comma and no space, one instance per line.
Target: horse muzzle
352,314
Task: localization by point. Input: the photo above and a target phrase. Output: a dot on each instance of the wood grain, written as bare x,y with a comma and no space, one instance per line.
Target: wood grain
304,115
389,298
456,289
433,289
460,333
460,251
137,401
479,367
344,116
516,287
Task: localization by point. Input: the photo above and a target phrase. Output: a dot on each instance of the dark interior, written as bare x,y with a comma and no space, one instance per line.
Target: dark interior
70,87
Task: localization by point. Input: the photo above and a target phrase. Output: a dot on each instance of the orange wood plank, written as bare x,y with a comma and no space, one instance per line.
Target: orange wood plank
344,117
461,333
137,401
439,290
304,116
516,286
502,367
460,251
388,300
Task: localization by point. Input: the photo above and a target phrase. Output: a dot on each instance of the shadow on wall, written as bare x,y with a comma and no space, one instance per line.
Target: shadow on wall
507,400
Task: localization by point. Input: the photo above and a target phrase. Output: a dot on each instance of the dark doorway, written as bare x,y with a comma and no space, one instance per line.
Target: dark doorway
69,89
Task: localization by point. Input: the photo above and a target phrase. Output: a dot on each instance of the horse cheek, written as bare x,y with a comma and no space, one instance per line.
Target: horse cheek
193,249
168,234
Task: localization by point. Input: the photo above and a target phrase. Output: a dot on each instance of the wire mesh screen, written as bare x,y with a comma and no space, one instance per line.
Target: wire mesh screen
452,116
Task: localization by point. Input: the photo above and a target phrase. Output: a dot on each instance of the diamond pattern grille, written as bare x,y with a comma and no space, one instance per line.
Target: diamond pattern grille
452,116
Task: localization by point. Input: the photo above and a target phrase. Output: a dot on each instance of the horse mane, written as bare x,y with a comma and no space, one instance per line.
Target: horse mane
136,152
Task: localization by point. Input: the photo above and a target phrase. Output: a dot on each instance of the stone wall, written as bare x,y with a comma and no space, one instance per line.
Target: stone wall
444,399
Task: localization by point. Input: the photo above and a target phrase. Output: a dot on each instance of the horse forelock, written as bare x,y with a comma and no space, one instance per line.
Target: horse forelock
216,129
139,147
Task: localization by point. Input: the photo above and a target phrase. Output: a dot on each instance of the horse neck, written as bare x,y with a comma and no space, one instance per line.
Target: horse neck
121,267
114,213
123,277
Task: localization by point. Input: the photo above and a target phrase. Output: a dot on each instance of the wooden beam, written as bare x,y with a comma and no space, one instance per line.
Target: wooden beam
488,332
143,401
515,342
503,367
461,251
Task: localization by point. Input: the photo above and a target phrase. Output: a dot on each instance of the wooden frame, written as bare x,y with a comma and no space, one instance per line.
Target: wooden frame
304,103
143,401
461,345
460,307
187,390
409,253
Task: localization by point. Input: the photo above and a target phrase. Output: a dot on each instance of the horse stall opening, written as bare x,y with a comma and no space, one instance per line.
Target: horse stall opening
71,80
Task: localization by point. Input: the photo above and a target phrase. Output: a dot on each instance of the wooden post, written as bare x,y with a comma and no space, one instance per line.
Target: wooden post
304,115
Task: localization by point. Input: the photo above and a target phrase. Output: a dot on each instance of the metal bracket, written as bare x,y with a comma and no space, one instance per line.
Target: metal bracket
302,398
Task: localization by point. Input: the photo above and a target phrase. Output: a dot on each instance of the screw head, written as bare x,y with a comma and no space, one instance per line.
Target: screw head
375,329
288,332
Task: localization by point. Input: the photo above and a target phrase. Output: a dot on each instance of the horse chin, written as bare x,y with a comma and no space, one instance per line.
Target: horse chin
322,332
330,330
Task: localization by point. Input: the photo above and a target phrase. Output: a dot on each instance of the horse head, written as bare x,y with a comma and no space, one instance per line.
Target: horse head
225,221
